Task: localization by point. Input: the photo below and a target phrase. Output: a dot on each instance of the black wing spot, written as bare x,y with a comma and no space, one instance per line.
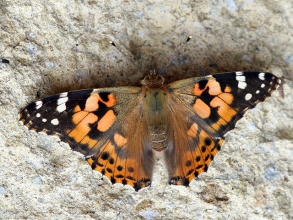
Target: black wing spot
130,169
207,141
104,96
94,165
197,158
199,166
109,170
130,178
202,84
206,168
105,155
119,168
99,164
119,176
207,157
203,149
111,161
188,163
189,172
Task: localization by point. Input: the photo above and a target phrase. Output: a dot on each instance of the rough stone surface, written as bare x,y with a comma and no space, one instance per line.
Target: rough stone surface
55,46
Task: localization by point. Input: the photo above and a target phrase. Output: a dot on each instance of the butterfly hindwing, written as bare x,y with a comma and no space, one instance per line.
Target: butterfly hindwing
127,156
204,109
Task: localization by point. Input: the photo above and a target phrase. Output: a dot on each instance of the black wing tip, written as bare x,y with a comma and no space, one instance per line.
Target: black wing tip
266,75
23,116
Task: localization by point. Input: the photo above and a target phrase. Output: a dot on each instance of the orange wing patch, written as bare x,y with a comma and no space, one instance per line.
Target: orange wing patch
115,162
83,119
82,128
120,140
213,86
202,109
196,158
106,121
95,98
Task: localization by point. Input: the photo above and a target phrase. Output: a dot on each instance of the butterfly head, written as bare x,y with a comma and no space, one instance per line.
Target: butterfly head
153,79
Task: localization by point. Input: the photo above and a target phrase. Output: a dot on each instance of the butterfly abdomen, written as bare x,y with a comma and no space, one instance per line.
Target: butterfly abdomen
156,116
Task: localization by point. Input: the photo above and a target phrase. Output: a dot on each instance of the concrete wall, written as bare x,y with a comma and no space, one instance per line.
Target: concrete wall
57,46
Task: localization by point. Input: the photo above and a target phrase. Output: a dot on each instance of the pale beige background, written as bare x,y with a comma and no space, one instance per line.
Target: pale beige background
55,46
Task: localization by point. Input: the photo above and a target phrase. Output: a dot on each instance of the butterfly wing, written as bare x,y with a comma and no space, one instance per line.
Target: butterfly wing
203,110
104,125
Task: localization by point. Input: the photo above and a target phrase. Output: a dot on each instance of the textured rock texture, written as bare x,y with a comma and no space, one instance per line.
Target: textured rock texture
50,46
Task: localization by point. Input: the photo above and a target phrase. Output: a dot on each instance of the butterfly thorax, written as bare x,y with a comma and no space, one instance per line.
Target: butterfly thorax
153,79
155,110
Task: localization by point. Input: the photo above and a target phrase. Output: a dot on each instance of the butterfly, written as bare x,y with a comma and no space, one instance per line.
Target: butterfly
118,129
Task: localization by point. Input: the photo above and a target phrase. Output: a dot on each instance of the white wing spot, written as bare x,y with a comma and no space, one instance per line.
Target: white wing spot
38,115
239,73
262,85
39,104
55,121
257,91
261,76
64,94
44,120
248,96
61,108
242,85
62,100
240,78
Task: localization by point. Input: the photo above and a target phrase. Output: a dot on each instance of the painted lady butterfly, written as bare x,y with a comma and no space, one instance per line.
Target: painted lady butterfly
118,129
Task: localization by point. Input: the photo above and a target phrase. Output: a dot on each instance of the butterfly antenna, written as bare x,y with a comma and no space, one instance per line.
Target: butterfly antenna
176,54
129,59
